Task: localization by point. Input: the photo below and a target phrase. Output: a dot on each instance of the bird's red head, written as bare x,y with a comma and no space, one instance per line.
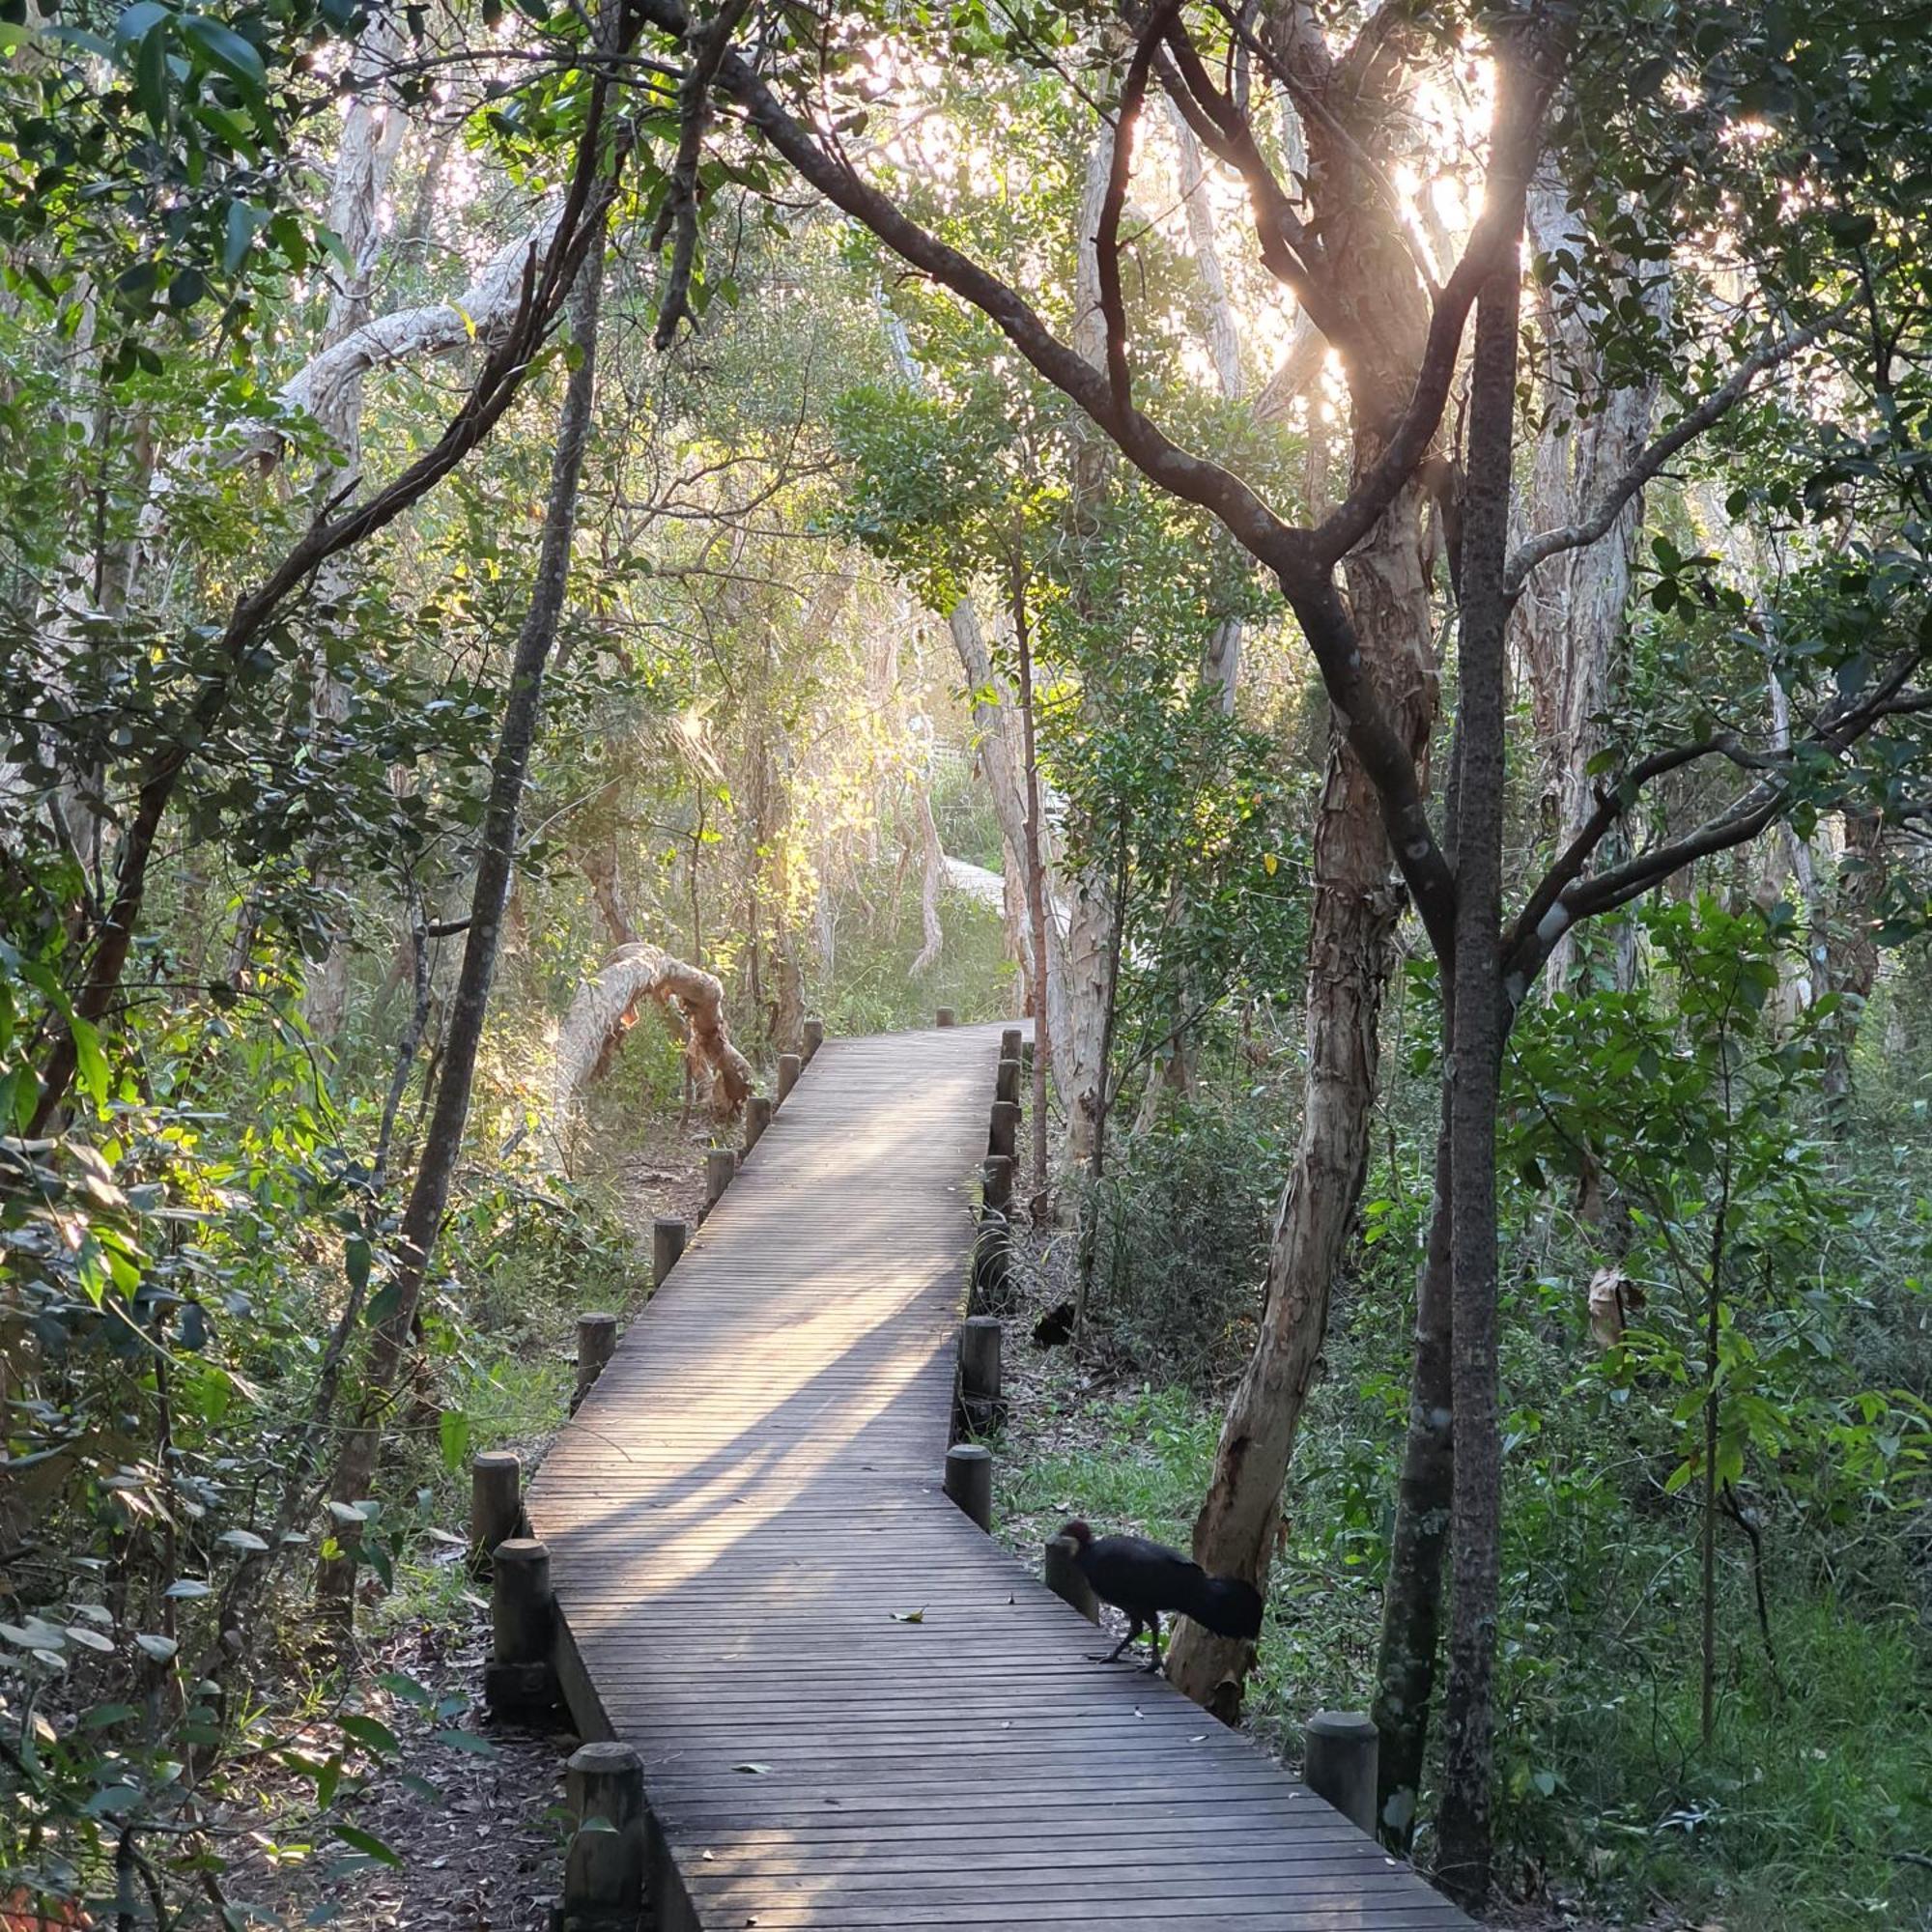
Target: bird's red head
1076,1533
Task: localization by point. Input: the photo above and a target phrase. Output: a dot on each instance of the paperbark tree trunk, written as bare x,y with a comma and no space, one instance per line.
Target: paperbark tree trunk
1081,1042
1569,619
1352,922
1851,948
429,1196
371,135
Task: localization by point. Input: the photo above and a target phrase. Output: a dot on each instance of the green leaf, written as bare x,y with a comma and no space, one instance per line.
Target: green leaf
244,218
367,1843
371,1735
226,49
88,1058
465,1741
454,1430
150,74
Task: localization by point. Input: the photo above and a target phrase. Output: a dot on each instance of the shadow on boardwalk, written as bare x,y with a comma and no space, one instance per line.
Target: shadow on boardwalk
854,1710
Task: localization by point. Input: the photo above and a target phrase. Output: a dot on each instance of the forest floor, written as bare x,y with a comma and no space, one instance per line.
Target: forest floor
470,1807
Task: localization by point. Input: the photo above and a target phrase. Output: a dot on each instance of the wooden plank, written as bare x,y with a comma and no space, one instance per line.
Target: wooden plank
747,1504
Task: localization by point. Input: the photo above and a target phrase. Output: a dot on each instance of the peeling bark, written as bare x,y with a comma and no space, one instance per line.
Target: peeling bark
606,1006
1569,619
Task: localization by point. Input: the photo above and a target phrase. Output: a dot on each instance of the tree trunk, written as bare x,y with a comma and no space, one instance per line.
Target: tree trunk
373,127
1850,948
429,1197
1350,927
1036,896
1080,1043
1472,1071
999,718
1569,619
1412,1599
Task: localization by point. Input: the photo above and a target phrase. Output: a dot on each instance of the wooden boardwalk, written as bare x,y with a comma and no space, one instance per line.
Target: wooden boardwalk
745,1517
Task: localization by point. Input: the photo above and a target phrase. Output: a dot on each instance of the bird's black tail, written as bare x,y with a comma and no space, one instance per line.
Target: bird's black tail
1224,1605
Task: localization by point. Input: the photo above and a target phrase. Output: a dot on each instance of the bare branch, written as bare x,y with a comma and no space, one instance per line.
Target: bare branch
1286,250
1537,550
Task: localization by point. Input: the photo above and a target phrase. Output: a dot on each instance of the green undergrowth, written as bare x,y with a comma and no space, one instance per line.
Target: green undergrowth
1793,1822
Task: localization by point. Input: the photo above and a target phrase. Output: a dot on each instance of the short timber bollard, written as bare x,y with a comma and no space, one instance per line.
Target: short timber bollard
943,1016
495,1503
668,1235
968,1481
790,1066
1004,1135
1061,1571
604,1869
757,1117
520,1680
1007,1082
980,1373
815,1038
1009,1044
996,1187
719,1165
1343,1749
596,1344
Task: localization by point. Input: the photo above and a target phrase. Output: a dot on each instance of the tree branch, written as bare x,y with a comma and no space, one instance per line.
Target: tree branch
694,93
1540,548
1563,899
1107,241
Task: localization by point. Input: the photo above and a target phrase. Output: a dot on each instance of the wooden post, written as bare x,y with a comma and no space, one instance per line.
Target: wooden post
496,1502
596,1344
668,1235
1007,1082
815,1038
790,1066
520,1680
604,1869
757,1117
1061,1571
943,1016
996,1187
980,1373
1009,1044
968,1481
1340,1765
1004,1135
719,1165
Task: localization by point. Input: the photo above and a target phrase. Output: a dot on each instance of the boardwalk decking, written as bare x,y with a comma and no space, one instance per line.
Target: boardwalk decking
746,1513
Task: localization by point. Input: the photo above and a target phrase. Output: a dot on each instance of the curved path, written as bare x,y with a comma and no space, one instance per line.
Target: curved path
746,1512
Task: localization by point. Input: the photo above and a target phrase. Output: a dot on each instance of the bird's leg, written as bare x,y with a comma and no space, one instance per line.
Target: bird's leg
1153,1638
1113,1656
